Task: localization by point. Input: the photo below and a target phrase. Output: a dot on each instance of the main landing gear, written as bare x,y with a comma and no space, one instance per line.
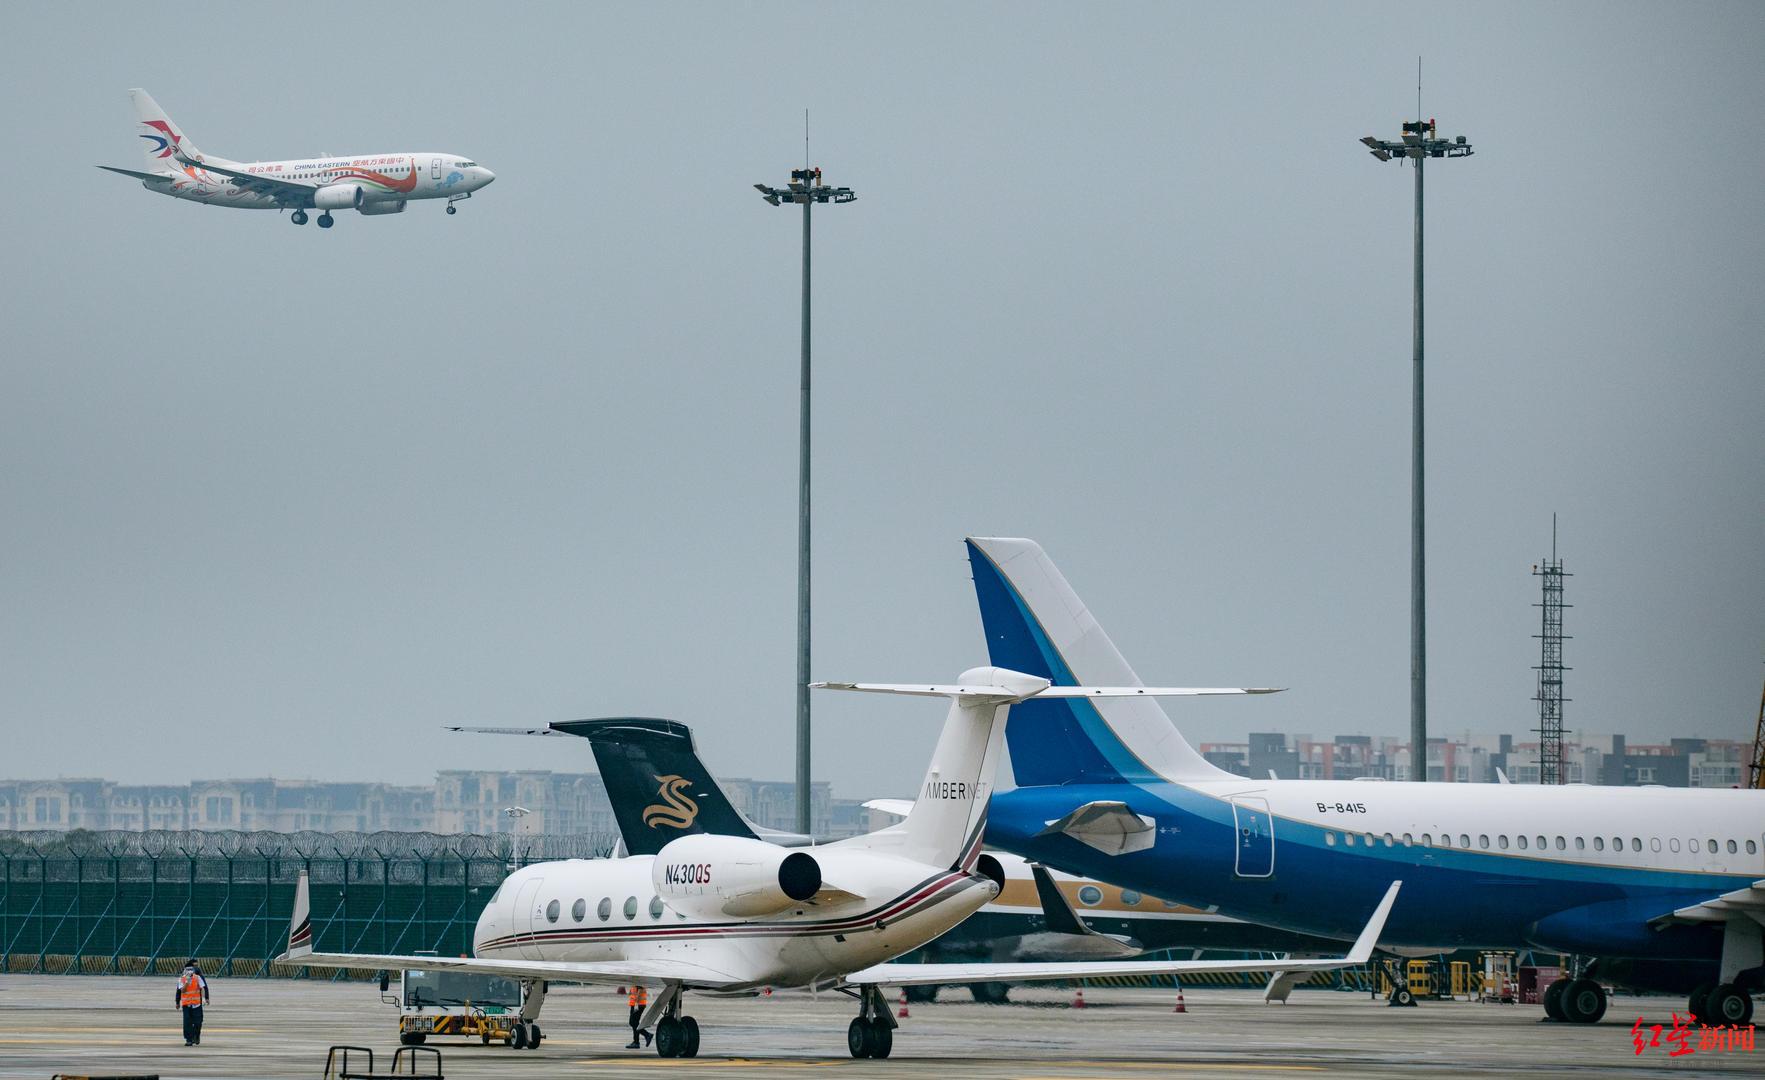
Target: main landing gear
872,1032
326,220
676,1035
1721,1004
1579,1000
525,1036
299,217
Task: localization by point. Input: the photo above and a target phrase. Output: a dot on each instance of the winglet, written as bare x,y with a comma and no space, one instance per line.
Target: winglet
300,926
1363,945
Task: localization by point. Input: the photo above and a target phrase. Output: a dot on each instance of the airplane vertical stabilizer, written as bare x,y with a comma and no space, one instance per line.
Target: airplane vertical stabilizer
163,141
949,811
1036,623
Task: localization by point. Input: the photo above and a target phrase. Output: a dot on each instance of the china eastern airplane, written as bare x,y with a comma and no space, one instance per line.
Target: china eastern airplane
369,184
1654,888
721,914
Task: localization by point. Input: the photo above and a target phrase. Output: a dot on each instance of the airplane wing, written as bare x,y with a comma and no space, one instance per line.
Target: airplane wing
690,975
286,192
687,973
1741,903
938,974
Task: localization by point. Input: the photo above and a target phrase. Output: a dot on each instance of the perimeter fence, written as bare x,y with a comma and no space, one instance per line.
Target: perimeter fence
143,902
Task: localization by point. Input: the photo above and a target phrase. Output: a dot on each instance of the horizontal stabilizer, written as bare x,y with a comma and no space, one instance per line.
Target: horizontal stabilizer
151,178
1007,694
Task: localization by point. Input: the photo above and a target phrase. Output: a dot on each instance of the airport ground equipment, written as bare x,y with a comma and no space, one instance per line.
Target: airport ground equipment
461,1004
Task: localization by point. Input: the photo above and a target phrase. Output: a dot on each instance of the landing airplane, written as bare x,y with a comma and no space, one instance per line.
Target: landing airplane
735,914
370,184
1664,888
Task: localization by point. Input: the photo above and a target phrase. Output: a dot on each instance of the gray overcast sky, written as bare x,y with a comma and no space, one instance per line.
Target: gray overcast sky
1120,278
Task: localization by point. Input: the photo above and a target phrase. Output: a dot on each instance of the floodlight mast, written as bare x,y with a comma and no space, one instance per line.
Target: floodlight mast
805,188
1419,143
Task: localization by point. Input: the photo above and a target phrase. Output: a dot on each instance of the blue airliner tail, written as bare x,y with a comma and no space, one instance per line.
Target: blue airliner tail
1036,624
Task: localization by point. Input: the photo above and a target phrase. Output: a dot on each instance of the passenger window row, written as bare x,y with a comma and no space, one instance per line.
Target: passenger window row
604,910
1544,843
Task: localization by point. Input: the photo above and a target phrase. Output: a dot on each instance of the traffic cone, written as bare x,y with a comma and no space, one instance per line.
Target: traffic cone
902,1011
1182,1008
1078,1001
767,992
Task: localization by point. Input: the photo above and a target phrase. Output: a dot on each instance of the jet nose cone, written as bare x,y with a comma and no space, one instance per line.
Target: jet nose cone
485,176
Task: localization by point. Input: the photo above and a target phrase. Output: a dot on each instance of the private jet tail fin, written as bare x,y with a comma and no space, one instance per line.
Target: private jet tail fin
300,924
659,788
1036,623
166,147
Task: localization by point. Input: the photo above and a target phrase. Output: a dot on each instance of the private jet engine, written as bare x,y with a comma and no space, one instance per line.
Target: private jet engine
339,197
733,875
373,208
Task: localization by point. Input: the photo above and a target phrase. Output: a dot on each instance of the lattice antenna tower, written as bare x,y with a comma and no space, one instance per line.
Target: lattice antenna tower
1550,666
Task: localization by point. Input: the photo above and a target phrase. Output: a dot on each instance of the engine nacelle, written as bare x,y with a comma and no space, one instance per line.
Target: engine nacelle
733,875
339,197
373,208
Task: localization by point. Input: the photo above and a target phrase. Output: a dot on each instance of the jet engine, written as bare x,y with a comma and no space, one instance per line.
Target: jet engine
338,197
373,208
733,875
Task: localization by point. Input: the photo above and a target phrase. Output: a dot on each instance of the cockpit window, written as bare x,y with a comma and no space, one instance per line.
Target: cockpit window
468,164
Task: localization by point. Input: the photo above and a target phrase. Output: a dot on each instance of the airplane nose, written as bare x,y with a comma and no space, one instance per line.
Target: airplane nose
488,175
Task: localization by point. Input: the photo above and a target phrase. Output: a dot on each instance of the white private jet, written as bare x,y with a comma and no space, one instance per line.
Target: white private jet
733,914
369,184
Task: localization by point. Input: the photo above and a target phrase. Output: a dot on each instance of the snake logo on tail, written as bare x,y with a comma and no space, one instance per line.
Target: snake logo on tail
677,810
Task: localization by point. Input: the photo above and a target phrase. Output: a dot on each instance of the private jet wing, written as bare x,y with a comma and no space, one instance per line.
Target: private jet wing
684,972
930,974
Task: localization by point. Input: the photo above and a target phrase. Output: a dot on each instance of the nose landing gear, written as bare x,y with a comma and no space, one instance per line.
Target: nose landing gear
451,199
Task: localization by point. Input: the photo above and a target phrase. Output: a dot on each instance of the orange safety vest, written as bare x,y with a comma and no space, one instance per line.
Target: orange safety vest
190,989
637,996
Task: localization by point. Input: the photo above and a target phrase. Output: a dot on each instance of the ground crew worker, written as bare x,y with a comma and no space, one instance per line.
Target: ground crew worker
191,994
639,1000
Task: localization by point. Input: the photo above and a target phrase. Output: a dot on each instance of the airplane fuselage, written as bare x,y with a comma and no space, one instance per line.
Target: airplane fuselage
1573,868
386,180
588,911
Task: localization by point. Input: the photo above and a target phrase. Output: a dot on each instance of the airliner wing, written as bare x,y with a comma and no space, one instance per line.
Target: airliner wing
690,975
1741,903
937,974
288,192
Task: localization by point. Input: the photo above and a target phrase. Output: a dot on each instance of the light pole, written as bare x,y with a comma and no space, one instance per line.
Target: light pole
1418,145
805,188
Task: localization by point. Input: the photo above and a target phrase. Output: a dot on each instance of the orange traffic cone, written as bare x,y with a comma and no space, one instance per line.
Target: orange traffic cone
1078,1001
902,1011
1180,1006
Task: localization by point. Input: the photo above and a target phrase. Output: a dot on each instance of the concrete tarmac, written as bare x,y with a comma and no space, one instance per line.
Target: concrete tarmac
90,1025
